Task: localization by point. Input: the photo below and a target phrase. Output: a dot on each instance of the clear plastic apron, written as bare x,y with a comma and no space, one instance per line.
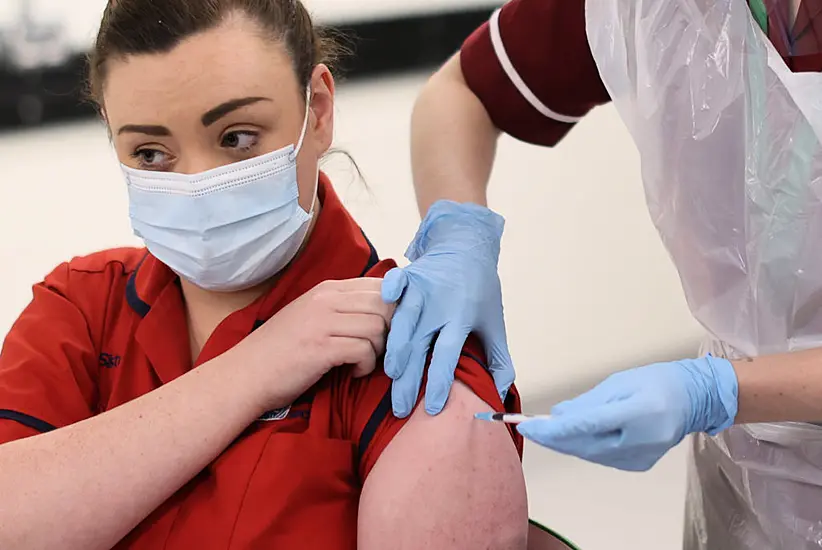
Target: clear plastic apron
729,140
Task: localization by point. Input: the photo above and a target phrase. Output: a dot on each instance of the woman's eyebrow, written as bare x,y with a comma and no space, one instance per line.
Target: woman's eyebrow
223,109
149,130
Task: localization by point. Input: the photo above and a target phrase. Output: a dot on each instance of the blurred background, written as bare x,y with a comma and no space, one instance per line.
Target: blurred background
588,288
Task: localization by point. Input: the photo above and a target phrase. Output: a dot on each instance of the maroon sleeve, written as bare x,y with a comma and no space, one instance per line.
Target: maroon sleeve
532,68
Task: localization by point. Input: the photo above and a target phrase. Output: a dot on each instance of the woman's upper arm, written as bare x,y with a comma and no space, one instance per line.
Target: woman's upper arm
446,481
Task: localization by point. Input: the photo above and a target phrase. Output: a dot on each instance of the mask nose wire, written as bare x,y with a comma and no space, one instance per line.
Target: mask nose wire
300,141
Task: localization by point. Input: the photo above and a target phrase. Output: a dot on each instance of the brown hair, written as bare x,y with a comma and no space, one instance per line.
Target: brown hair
157,26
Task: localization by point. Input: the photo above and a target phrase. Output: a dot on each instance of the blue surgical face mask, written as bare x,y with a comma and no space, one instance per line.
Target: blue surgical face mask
226,229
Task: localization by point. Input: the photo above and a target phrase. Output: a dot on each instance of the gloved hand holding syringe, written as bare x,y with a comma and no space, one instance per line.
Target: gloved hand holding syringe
632,418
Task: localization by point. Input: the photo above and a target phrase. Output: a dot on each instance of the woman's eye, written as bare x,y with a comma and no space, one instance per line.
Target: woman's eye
239,140
151,159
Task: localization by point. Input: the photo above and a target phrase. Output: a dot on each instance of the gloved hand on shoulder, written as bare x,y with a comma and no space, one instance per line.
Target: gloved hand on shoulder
450,290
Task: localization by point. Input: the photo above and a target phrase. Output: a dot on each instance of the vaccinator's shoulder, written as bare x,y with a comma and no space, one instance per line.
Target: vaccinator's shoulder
532,68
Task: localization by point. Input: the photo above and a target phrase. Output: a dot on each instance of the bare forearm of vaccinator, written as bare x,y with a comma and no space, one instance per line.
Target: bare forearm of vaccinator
780,388
87,485
453,141
446,481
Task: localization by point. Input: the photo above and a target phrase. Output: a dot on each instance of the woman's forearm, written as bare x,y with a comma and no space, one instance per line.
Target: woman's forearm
453,141
780,388
87,485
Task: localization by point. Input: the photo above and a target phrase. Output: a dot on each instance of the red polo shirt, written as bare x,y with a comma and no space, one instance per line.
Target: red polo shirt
105,329
532,67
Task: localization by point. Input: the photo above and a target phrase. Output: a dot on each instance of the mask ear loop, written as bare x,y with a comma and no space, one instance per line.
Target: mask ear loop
299,146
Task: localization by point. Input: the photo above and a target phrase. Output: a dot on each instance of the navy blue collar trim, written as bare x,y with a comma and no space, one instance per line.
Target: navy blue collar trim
132,297
142,308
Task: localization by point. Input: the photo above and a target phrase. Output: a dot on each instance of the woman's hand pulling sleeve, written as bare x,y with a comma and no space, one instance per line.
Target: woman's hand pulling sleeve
450,290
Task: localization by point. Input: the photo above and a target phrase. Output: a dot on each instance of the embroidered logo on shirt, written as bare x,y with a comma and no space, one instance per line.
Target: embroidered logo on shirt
109,361
276,414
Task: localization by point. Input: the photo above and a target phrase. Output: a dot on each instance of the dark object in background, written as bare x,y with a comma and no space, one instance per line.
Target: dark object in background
36,96
33,96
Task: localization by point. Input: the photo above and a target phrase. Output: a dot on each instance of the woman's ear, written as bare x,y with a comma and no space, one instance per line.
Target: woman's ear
322,107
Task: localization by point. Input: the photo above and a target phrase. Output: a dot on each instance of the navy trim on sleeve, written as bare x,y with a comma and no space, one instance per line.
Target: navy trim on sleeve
379,414
29,421
473,357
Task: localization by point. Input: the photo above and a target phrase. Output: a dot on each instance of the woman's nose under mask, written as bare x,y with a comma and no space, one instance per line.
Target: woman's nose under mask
225,229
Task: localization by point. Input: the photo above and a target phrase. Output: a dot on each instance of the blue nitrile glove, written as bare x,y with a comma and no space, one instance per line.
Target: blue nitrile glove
634,417
451,288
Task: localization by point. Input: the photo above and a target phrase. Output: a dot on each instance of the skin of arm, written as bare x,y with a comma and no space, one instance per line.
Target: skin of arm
453,141
780,388
99,478
446,481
